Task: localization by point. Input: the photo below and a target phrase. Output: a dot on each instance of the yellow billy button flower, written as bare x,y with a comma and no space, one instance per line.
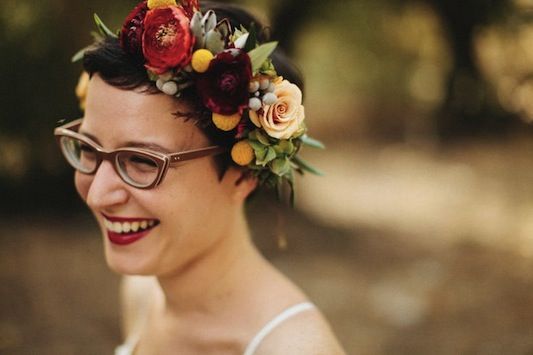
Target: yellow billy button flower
242,153
82,88
201,59
154,4
226,123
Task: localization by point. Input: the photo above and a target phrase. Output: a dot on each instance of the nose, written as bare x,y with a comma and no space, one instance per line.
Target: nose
107,190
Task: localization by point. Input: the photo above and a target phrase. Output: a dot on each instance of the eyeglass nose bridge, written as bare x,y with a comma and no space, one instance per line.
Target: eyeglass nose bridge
111,157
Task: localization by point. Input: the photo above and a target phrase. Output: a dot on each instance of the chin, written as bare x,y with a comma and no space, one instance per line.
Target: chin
129,264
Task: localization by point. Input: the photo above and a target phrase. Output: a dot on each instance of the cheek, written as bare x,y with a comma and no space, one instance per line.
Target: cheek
82,182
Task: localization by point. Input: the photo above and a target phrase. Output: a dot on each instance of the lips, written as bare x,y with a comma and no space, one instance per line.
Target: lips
125,231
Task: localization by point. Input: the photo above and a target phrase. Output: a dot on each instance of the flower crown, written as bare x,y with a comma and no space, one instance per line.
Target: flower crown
232,74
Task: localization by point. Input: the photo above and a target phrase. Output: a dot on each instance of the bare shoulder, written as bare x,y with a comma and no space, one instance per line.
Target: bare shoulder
135,296
307,333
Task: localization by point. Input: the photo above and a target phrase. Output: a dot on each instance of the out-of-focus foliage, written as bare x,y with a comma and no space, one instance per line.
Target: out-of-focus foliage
505,55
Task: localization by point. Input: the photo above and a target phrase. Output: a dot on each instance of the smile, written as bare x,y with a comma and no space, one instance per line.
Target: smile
125,231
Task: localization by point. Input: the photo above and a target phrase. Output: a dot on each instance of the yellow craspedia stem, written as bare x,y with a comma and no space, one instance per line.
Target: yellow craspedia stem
201,59
242,153
154,4
226,123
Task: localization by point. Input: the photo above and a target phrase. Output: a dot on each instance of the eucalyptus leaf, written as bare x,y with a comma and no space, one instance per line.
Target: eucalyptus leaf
311,142
306,166
262,138
286,146
261,154
104,30
281,166
256,145
260,54
271,155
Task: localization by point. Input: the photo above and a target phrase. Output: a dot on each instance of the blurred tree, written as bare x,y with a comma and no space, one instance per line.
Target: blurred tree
467,108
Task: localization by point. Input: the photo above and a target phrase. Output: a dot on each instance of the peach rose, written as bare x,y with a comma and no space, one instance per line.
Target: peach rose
283,119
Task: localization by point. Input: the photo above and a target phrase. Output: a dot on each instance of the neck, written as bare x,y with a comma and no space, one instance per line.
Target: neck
211,280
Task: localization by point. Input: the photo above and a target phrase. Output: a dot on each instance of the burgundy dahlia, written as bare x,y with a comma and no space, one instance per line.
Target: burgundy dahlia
224,87
167,40
132,30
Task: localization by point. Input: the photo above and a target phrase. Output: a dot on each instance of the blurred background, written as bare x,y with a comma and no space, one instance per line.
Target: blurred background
419,239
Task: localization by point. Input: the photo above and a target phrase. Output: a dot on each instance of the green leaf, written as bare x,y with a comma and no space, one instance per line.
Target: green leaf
260,54
281,166
286,146
290,181
262,138
79,55
306,166
271,155
256,145
311,142
260,155
268,68
104,30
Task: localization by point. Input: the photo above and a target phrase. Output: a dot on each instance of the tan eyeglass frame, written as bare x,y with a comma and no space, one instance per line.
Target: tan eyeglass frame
163,161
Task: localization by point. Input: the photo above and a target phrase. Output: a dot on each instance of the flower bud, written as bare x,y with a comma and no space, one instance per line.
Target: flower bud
255,104
170,88
254,86
264,84
270,99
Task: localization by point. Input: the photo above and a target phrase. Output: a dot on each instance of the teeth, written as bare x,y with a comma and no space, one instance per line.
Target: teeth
128,227
117,227
135,226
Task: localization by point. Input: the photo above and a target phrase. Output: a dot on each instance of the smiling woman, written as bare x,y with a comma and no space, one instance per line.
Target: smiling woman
175,137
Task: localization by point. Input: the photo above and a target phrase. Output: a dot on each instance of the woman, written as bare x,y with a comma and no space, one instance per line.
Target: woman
168,151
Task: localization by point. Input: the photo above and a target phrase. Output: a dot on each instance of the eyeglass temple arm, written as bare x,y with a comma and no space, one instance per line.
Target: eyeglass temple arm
197,153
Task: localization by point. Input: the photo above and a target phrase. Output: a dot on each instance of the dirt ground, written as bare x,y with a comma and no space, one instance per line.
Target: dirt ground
384,290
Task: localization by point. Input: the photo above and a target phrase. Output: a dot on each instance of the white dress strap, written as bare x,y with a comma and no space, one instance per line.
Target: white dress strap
270,326
128,347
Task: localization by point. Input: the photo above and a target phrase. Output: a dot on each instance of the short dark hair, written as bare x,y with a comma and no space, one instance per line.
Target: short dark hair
119,69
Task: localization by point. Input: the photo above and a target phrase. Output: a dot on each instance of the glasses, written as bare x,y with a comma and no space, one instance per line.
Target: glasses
138,167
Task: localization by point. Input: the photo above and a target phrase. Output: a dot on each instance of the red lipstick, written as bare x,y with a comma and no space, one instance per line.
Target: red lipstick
129,231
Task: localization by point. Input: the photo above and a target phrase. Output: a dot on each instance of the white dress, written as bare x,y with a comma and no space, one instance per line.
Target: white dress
129,346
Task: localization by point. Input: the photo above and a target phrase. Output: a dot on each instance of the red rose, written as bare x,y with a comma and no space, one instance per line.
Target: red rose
132,30
190,6
167,40
224,87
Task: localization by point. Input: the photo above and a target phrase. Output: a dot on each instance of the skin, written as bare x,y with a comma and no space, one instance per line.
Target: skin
206,289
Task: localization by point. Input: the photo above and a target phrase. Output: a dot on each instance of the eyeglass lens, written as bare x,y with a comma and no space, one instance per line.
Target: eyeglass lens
135,169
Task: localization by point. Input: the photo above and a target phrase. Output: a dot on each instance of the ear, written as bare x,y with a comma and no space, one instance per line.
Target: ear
240,183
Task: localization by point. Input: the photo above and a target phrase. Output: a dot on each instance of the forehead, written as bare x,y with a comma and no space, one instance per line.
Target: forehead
115,116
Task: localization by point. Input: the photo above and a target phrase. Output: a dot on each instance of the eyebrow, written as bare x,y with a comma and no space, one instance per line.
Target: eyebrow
133,144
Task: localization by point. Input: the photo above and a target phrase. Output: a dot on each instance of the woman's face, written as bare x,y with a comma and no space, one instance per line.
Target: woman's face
190,210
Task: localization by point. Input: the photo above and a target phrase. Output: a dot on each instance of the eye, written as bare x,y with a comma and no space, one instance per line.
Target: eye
86,151
86,148
141,161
